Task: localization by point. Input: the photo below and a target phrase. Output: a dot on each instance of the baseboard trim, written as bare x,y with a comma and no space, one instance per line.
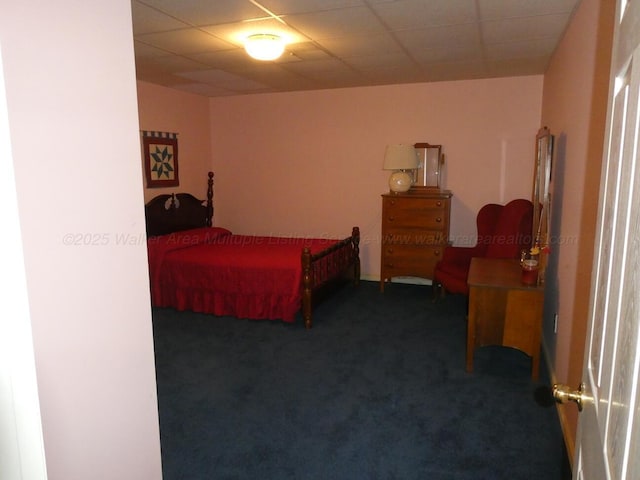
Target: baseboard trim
407,280
569,437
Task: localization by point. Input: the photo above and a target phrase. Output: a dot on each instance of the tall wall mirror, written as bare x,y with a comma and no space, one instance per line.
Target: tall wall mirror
430,162
542,188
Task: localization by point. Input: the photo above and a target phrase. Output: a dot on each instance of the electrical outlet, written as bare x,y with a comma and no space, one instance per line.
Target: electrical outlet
555,323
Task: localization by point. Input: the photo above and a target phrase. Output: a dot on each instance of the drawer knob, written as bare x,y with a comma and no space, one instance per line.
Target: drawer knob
438,219
438,203
391,219
437,253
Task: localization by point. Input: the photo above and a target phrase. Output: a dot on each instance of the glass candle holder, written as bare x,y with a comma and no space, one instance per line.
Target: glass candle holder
530,269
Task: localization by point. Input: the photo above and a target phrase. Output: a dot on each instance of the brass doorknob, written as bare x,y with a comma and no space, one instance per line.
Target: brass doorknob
564,394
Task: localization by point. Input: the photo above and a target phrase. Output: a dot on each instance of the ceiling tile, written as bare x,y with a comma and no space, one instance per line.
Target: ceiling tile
514,50
356,45
304,51
224,79
190,40
448,54
321,69
222,59
281,7
500,9
143,50
336,23
172,63
149,20
198,12
149,73
524,28
406,14
382,62
460,35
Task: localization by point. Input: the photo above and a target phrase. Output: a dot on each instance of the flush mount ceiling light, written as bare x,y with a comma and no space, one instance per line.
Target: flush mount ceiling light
264,46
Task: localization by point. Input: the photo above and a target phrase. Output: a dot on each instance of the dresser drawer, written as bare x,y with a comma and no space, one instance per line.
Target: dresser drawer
410,261
405,202
407,254
428,213
433,220
414,236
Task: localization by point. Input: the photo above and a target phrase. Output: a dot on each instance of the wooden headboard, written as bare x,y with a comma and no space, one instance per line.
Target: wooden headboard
174,212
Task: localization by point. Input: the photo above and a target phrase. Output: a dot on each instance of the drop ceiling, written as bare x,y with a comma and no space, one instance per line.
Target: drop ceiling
197,45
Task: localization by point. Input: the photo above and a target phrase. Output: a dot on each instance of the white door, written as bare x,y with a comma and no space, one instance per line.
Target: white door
608,438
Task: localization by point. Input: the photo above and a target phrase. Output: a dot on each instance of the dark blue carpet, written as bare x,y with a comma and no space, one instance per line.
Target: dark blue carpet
376,390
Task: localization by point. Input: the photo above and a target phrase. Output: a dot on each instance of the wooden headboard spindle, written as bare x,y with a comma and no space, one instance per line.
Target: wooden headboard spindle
209,221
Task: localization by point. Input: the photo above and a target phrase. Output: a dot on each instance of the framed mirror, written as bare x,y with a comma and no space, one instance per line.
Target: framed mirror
429,171
541,197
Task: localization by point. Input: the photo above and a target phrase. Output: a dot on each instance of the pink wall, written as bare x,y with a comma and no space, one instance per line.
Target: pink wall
574,108
71,94
164,110
309,163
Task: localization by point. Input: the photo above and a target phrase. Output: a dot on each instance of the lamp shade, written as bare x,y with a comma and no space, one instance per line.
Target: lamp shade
400,157
264,46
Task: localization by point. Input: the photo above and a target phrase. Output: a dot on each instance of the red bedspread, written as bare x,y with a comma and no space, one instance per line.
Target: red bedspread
212,271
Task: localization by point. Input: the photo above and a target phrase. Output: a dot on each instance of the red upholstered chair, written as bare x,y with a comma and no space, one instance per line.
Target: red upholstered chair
503,231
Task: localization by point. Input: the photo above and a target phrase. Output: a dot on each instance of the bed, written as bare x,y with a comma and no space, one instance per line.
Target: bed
196,266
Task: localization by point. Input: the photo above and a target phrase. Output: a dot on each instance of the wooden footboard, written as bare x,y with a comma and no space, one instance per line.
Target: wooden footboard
327,270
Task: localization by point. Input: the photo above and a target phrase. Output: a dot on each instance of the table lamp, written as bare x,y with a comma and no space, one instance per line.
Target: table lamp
402,159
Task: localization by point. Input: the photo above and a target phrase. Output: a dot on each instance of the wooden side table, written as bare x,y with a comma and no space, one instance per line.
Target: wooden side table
503,311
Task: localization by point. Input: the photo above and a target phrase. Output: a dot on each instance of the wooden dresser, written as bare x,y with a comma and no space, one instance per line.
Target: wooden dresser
415,230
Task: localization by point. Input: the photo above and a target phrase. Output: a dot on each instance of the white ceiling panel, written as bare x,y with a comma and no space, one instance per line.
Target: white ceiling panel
149,20
405,14
171,64
467,34
224,79
342,43
361,45
519,50
287,7
498,9
524,28
341,22
448,54
189,40
211,12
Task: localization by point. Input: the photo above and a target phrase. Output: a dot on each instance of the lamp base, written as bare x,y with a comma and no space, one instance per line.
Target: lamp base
400,181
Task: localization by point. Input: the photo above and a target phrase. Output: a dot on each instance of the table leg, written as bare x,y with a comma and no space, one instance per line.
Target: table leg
471,329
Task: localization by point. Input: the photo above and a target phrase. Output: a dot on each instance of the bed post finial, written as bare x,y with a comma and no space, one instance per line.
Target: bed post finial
209,221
